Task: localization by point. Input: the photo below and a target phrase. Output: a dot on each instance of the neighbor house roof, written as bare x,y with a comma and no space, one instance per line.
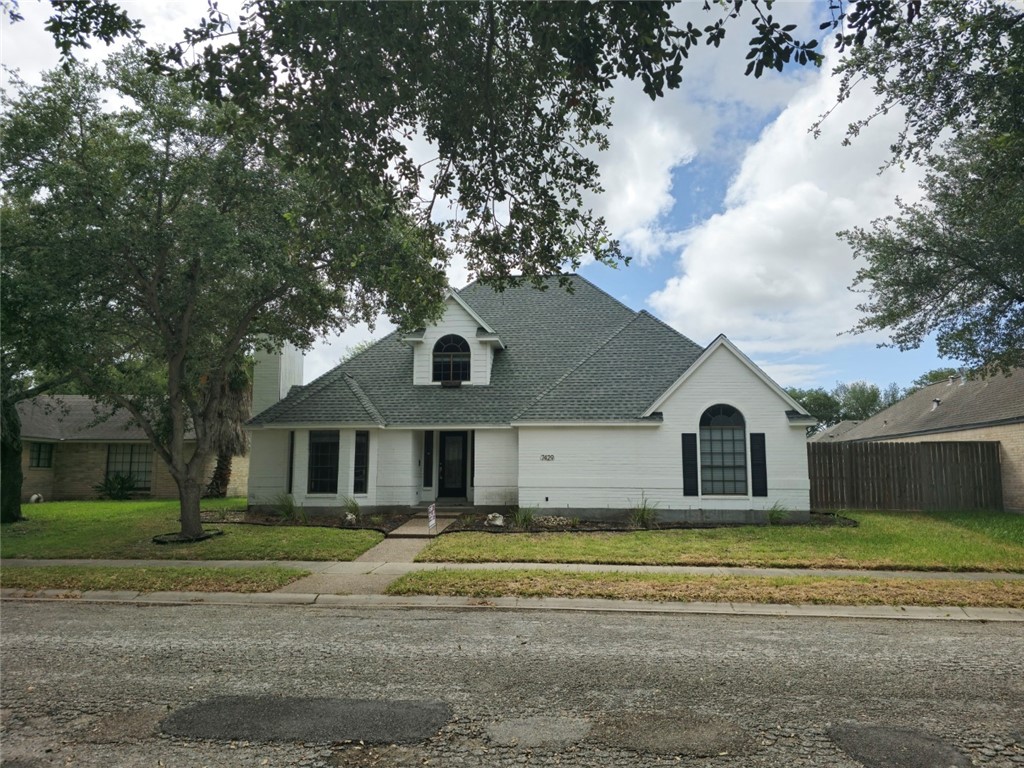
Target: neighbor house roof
835,432
948,406
56,418
579,356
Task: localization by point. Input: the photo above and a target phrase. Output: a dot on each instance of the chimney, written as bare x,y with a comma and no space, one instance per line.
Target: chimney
274,374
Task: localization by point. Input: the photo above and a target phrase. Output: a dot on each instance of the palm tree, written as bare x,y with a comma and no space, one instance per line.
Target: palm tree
230,437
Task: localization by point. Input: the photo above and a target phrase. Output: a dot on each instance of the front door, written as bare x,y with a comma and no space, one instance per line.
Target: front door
451,465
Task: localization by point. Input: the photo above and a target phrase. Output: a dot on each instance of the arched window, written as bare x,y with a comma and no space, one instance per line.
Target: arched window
723,452
451,359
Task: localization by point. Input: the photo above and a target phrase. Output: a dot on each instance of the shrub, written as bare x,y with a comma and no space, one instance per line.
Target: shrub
644,514
285,506
777,514
351,508
116,487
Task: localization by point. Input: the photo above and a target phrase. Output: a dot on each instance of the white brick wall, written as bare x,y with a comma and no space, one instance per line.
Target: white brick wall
398,476
268,465
496,462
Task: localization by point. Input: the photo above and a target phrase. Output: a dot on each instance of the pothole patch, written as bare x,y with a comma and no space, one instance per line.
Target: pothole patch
878,746
538,732
311,720
673,732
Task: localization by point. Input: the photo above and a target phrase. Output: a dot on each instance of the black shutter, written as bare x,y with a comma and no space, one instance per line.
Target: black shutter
690,464
428,459
758,465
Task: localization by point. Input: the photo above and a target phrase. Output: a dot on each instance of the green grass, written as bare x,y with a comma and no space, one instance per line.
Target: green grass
793,590
124,529
81,578
945,541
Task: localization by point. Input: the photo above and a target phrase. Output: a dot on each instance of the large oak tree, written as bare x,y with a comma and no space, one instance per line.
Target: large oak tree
147,247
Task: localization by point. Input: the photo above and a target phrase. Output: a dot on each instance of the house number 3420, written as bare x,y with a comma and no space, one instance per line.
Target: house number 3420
547,457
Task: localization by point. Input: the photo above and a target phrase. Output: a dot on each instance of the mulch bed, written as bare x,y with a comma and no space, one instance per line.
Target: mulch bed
382,523
472,521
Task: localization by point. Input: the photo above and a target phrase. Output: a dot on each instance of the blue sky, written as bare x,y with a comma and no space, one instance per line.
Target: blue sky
726,204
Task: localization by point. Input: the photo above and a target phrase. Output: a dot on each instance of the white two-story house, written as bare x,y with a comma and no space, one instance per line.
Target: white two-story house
562,400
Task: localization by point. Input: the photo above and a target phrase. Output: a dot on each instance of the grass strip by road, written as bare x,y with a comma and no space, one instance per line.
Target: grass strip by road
792,590
942,541
125,529
82,578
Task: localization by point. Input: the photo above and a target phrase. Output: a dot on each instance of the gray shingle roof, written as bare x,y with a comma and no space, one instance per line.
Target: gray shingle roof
580,356
835,432
75,417
978,402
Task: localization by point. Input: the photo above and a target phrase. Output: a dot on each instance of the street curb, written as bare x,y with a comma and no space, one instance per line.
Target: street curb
911,612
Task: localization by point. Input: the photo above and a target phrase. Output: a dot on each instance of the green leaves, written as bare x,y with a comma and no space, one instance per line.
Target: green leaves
953,265
147,248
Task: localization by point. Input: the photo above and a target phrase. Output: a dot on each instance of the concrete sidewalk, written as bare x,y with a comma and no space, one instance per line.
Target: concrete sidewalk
360,583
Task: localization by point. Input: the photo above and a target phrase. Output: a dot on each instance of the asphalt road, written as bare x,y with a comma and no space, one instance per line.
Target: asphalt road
119,685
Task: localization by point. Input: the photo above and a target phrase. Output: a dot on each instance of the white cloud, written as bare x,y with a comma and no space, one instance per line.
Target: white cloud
769,271
706,117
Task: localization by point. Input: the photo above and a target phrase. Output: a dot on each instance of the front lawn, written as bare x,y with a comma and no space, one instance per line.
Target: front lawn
124,530
792,590
82,578
944,541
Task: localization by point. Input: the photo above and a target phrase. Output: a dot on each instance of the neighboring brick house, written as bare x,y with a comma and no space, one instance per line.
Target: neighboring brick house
543,398
71,443
960,409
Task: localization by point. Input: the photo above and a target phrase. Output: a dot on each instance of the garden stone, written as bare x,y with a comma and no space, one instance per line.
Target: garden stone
495,520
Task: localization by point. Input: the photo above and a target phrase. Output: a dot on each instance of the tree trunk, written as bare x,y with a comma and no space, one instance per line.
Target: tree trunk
189,493
218,487
10,463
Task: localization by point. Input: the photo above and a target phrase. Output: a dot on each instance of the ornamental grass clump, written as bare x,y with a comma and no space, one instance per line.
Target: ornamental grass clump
644,514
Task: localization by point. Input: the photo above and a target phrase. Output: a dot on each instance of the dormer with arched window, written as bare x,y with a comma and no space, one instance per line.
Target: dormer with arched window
452,360
457,351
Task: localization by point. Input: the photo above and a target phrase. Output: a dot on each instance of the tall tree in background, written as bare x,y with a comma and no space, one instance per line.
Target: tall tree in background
855,401
933,376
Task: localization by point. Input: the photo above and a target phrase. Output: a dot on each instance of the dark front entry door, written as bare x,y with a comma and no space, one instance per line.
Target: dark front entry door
451,465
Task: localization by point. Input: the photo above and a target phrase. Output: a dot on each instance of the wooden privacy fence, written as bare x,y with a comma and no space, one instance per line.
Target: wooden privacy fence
941,475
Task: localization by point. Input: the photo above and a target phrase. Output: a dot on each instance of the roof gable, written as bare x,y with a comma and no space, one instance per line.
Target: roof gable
723,343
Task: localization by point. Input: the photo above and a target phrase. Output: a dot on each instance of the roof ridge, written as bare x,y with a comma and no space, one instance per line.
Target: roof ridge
363,398
576,367
658,320
601,290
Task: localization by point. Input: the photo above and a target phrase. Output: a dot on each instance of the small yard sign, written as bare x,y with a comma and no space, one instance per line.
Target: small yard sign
432,519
